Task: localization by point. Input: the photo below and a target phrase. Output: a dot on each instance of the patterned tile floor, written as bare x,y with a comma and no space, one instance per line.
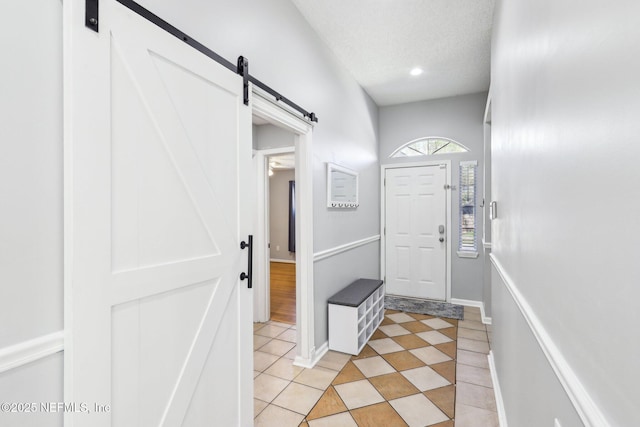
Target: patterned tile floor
405,376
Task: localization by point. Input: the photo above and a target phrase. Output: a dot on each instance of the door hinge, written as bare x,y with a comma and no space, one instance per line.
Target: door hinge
243,70
91,14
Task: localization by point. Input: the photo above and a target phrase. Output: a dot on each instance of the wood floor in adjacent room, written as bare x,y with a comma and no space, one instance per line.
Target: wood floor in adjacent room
283,292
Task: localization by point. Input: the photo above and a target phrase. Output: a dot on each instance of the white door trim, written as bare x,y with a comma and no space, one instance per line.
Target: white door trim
383,205
261,300
279,116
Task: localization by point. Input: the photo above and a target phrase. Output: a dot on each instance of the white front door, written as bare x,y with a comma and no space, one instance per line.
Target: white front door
157,148
415,221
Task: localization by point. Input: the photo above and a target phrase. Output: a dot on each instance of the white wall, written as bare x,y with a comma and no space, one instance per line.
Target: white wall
279,215
566,144
31,200
459,118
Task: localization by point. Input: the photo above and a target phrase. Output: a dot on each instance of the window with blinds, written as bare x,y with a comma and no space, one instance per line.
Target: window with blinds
467,189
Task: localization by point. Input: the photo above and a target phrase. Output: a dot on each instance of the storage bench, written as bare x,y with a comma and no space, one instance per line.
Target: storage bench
354,314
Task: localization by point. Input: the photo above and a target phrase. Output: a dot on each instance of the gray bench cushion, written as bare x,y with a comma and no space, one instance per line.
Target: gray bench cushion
356,293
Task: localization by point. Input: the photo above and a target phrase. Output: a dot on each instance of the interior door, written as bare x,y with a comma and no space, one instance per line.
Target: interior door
416,235
157,147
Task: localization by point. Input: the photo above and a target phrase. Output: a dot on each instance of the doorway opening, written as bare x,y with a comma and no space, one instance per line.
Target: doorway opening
295,139
281,211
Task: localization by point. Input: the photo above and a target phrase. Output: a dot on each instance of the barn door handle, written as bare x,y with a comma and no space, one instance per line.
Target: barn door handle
249,275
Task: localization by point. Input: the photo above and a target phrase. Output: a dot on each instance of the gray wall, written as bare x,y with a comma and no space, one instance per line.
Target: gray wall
486,287
487,181
270,136
279,215
31,168
31,202
566,144
459,118
339,269
36,382
532,393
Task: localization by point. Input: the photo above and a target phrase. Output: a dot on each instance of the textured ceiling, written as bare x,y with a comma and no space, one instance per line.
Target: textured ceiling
380,41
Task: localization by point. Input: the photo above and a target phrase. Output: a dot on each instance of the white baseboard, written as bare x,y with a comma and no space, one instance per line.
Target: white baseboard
286,261
472,303
502,416
316,355
29,351
486,320
467,302
589,412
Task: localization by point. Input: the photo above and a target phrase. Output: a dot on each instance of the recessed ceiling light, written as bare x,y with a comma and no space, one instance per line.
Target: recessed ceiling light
416,71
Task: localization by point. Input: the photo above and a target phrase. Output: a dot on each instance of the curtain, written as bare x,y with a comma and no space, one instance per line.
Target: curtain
292,216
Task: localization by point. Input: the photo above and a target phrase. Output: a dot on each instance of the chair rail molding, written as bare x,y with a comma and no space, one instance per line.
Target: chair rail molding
31,350
327,253
589,412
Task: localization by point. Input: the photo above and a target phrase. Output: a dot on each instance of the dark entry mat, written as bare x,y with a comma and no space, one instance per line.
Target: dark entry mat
422,306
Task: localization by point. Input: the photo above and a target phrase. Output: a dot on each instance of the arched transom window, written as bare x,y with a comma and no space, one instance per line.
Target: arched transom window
429,146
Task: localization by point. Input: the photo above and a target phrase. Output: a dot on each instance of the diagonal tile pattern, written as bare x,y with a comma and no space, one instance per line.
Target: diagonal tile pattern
394,330
413,372
373,366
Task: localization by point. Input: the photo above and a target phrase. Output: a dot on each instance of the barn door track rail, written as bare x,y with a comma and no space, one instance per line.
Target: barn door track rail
241,67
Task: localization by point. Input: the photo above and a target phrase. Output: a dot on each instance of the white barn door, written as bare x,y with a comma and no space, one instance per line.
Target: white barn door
416,238
157,148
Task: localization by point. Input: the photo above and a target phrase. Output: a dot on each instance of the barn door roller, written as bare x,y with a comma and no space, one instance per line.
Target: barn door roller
243,70
91,14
